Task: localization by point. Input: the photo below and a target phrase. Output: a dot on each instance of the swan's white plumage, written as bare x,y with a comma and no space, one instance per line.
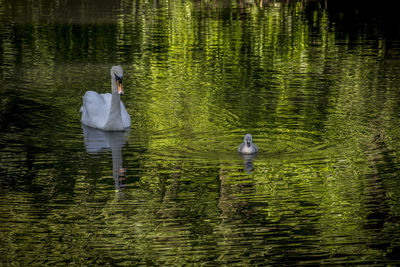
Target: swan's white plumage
106,111
96,110
248,147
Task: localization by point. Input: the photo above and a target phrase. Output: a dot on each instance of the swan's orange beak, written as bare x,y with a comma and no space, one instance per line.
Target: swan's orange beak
120,88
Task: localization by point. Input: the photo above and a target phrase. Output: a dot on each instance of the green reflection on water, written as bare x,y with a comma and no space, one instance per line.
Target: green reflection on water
322,106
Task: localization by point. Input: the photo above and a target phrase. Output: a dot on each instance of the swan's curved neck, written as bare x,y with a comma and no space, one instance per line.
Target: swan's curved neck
114,121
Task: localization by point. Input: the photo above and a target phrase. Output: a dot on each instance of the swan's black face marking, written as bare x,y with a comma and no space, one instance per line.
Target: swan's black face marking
248,140
118,78
118,74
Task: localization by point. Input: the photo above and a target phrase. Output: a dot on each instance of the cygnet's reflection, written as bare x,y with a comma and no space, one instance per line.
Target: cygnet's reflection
97,141
248,162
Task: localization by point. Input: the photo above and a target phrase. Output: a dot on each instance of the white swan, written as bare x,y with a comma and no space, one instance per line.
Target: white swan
248,147
106,111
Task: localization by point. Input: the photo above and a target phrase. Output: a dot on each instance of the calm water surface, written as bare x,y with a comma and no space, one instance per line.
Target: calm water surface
317,85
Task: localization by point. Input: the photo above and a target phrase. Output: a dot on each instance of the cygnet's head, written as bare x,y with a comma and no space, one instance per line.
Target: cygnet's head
248,140
118,74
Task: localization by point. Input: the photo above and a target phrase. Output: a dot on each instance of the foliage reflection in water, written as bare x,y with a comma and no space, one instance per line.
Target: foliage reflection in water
315,84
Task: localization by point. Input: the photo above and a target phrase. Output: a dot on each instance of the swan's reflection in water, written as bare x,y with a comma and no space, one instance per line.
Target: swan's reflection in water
97,141
248,162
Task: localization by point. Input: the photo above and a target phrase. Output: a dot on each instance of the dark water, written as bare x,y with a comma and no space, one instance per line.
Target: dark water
316,83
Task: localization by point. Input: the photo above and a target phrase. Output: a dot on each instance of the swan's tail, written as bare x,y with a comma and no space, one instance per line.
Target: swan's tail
83,103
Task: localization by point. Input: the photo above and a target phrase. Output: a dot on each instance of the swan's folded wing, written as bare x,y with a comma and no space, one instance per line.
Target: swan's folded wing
95,109
256,147
107,99
240,147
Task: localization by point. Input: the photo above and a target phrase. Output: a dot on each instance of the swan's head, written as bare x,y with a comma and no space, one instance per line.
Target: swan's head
117,74
248,140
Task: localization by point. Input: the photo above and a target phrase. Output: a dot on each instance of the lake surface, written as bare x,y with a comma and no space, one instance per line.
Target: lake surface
317,84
